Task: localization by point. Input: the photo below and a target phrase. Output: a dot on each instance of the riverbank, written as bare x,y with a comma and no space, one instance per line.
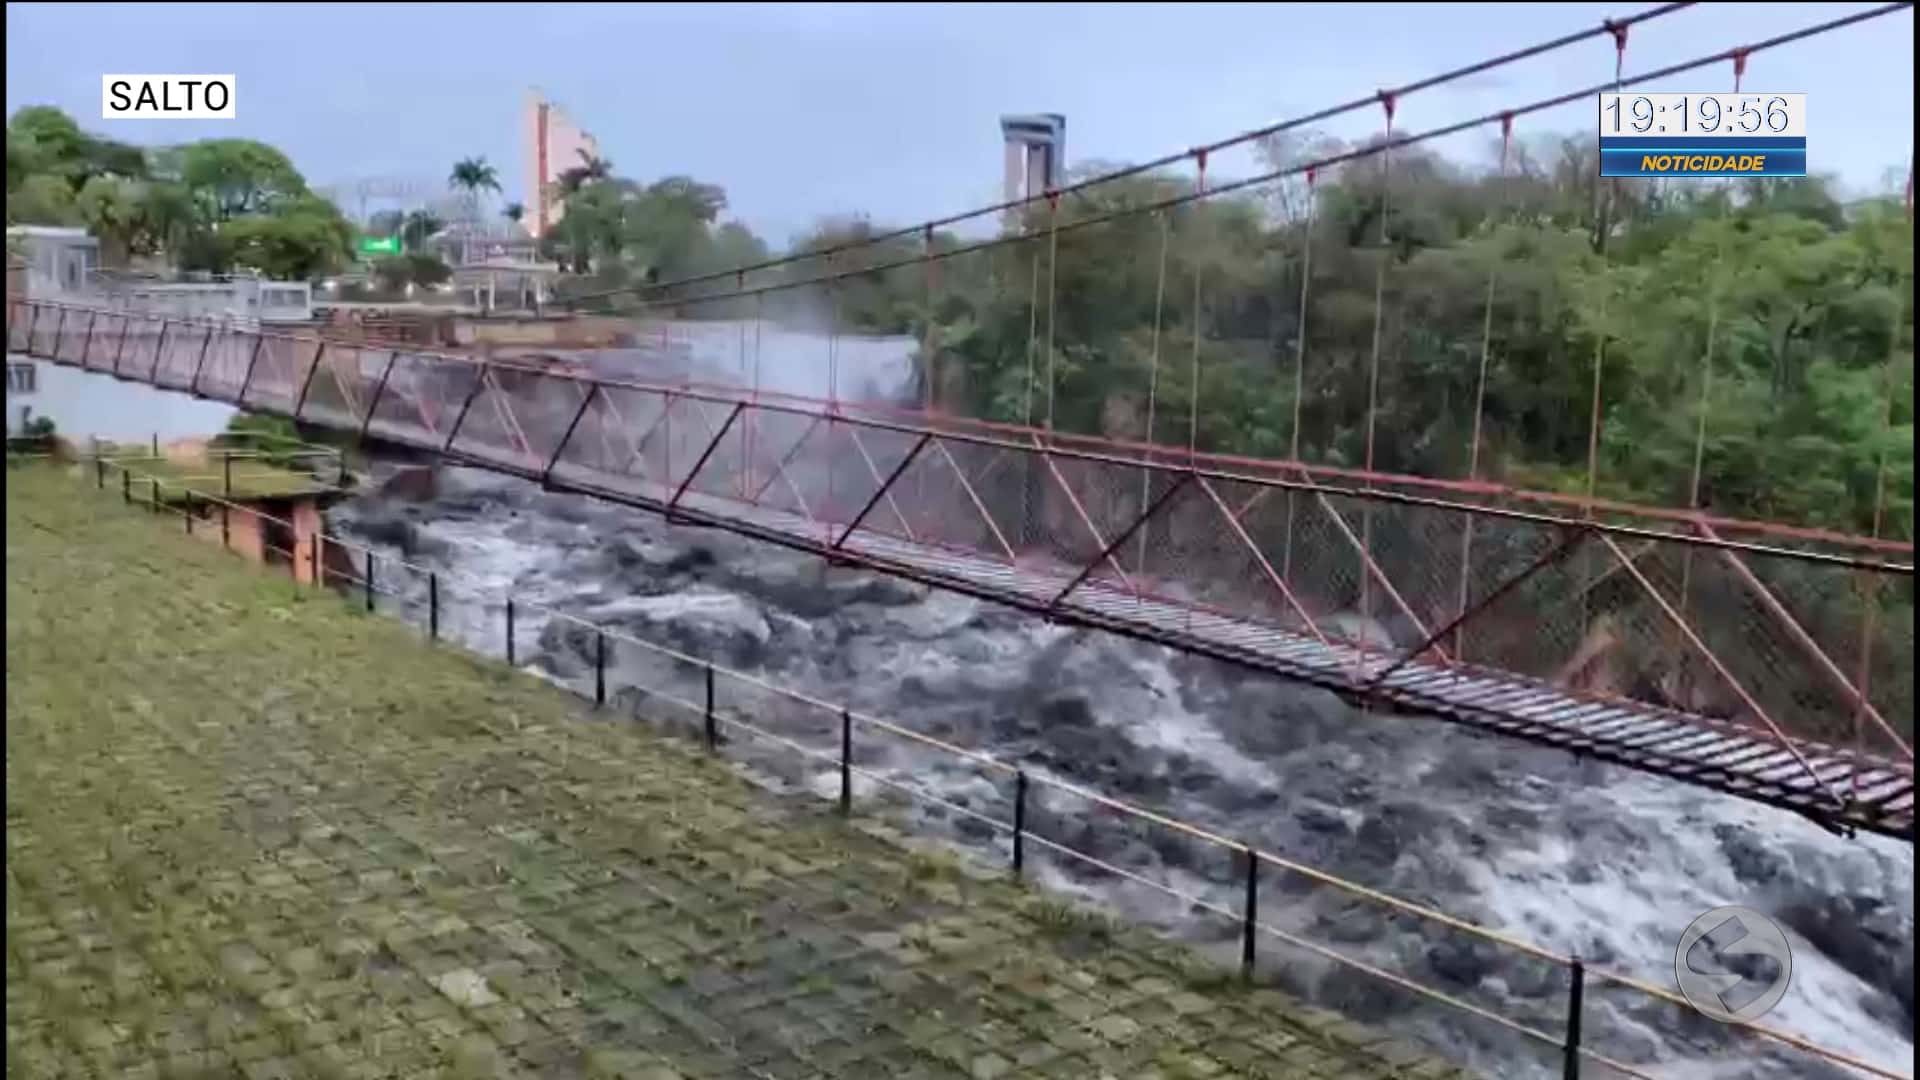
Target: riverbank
251,830
1573,856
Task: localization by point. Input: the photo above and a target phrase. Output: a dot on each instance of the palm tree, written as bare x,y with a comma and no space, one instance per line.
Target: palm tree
590,170
474,175
514,212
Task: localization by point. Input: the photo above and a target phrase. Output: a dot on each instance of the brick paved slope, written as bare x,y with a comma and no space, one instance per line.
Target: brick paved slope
251,832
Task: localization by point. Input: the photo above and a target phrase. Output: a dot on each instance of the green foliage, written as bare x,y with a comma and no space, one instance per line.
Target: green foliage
474,175
239,176
304,241
620,230
215,205
277,439
41,199
110,209
1803,299
417,227
396,272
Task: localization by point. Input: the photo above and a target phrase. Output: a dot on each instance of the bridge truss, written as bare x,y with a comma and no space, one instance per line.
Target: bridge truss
1768,663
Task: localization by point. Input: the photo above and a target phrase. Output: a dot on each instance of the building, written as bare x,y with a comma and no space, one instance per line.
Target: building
1036,153
554,145
238,299
58,260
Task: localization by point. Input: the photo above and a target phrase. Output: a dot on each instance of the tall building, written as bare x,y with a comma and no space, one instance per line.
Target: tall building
1036,153
554,145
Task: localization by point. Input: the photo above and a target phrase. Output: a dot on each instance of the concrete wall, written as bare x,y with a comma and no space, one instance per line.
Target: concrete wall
584,332
243,532
248,536
83,404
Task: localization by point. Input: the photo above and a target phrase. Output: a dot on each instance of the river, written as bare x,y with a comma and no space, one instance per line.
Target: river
1575,856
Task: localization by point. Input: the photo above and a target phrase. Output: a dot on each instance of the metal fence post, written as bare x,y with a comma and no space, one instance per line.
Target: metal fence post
713,727
188,515
510,662
126,487
226,531
226,469
1019,822
313,560
846,763
153,495
1250,915
1576,990
99,471
433,606
599,667
369,581
156,445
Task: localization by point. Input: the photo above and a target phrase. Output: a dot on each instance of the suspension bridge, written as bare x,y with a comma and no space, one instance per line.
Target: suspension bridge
1762,659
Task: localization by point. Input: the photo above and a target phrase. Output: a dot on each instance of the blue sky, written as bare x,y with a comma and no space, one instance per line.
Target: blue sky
805,110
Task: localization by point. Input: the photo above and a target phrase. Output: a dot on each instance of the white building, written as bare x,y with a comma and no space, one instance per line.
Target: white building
1036,153
554,145
59,260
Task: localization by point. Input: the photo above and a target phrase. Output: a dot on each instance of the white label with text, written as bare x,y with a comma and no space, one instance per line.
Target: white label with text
166,97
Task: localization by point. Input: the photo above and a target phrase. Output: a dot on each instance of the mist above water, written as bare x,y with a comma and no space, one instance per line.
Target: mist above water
769,357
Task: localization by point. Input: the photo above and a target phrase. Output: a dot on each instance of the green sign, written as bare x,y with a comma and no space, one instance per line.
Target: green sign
379,245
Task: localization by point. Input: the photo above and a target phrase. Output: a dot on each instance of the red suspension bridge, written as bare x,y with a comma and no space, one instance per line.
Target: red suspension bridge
1763,659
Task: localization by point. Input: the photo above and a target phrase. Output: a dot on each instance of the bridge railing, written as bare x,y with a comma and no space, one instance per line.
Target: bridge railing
1284,918
1794,640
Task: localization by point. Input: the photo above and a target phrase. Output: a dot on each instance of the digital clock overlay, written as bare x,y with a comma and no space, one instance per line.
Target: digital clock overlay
1703,135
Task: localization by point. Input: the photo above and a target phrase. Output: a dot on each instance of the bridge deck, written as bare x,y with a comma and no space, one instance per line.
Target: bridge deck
1698,749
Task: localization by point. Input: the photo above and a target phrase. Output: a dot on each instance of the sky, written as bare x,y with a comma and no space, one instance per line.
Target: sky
809,110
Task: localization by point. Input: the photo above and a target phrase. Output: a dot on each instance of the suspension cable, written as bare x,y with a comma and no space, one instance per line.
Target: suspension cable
1252,135
1373,369
1480,388
1153,378
1380,278
1343,157
1603,224
927,364
1713,326
1033,324
1299,364
1193,377
1053,265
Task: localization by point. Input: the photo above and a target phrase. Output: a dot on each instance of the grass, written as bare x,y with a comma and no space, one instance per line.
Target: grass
252,478
254,832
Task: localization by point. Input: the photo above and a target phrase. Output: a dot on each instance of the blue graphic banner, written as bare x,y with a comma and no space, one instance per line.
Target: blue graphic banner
1694,156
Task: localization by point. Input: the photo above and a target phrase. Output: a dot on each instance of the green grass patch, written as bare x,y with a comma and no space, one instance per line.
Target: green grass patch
251,830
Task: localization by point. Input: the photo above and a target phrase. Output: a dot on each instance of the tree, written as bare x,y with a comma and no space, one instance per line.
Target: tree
44,140
591,169
396,272
166,217
514,212
417,227
306,240
472,176
239,176
111,209
42,199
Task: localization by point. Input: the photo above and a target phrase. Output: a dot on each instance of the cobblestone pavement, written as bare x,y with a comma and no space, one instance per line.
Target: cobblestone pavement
253,833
